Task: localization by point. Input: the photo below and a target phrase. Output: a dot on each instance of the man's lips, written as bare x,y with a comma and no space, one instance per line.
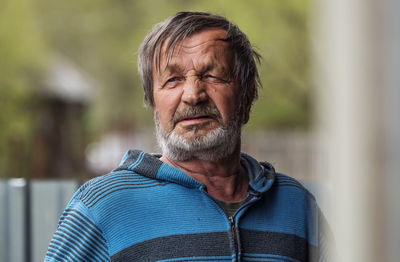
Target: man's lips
195,119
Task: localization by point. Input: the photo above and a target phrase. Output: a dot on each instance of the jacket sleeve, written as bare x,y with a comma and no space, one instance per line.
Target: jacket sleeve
77,237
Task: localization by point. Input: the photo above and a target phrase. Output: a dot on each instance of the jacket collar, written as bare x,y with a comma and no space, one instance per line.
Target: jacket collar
261,175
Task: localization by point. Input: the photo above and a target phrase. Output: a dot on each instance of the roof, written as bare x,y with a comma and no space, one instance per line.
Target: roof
66,82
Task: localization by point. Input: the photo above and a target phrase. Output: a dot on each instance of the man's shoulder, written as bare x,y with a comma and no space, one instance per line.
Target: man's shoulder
116,181
283,179
287,182
134,167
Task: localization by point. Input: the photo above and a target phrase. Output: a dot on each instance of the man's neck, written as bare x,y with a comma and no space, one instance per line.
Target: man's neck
225,179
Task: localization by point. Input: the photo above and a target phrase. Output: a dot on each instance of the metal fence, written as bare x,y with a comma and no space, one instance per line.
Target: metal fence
29,212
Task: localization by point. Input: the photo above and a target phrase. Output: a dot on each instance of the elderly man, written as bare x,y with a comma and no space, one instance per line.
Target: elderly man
202,199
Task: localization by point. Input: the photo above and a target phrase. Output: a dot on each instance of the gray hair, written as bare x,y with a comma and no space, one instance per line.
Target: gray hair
185,24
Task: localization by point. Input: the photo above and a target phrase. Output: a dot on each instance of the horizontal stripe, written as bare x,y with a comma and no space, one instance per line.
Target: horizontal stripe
256,246
99,184
57,254
266,259
121,184
82,239
74,229
73,250
182,247
76,242
262,257
78,238
274,243
82,228
125,187
83,220
64,245
111,178
226,259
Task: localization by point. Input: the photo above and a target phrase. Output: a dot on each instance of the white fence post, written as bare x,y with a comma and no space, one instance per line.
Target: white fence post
356,64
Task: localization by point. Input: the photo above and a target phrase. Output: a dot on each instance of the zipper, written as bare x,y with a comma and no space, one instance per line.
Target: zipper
252,197
232,223
234,236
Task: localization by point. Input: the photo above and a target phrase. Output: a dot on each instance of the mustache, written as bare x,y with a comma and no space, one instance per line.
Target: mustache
197,110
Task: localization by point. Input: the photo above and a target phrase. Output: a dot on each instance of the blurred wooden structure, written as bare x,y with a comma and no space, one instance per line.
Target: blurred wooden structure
59,141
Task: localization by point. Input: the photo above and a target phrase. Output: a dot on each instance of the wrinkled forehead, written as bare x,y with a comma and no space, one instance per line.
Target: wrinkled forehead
209,41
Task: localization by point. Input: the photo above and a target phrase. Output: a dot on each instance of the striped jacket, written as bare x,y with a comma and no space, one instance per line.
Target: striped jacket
146,210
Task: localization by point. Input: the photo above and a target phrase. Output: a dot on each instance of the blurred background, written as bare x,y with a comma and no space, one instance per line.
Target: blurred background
71,104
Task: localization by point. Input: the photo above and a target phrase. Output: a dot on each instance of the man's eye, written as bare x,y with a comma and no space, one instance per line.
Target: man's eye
213,79
209,76
172,79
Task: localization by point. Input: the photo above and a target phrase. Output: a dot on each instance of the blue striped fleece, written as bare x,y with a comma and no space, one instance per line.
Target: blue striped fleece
146,210
77,239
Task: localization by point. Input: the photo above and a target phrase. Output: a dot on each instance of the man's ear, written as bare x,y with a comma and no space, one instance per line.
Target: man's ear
248,103
249,99
246,116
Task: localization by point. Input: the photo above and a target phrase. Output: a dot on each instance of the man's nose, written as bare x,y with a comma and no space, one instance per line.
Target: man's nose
194,91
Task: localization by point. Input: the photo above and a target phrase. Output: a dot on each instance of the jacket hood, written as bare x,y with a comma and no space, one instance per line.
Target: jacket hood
261,175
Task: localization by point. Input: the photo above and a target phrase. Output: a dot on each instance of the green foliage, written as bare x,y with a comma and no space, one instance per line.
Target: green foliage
102,38
22,53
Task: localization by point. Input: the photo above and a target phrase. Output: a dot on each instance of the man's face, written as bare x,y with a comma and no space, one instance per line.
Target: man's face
194,94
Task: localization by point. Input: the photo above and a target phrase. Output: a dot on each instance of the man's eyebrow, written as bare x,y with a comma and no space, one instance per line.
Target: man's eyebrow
220,68
176,68
171,68
207,67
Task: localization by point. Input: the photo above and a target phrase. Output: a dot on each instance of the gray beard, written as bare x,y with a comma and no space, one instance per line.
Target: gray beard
216,145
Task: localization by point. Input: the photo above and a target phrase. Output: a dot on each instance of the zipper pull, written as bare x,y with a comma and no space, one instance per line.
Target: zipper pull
233,229
234,234
231,221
